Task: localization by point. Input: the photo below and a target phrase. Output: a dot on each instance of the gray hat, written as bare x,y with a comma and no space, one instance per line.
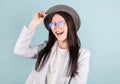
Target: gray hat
68,10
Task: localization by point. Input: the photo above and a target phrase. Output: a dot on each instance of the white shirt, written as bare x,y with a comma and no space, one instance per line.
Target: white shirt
55,66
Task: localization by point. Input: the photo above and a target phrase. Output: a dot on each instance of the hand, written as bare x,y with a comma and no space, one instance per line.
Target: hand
37,19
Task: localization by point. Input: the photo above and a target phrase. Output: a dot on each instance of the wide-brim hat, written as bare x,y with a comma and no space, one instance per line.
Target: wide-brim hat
68,10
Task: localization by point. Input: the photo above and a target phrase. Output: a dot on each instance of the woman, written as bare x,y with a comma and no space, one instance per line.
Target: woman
61,59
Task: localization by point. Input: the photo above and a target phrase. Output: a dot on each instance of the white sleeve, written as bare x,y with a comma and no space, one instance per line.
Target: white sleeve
83,67
22,46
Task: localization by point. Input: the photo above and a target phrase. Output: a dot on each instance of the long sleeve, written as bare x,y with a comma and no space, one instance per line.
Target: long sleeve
83,68
23,47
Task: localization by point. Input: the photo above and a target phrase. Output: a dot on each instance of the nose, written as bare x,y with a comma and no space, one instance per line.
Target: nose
57,27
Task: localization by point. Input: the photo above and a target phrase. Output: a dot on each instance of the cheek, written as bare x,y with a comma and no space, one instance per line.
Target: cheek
66,30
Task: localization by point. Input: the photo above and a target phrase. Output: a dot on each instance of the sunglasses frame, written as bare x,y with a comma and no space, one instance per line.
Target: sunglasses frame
52,25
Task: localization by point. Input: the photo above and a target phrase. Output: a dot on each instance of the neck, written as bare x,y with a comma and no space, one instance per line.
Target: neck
63,44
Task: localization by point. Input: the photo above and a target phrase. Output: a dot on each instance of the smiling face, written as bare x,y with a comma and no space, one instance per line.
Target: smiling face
59,28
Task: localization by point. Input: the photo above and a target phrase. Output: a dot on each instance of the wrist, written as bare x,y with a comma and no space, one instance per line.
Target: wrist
32,25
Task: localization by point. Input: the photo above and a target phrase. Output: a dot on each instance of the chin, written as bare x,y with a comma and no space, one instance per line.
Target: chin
62,40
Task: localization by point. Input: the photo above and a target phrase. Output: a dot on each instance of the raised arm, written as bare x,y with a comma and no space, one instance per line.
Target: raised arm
22,46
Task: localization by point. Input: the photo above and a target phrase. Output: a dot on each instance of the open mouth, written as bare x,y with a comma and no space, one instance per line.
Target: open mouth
59,33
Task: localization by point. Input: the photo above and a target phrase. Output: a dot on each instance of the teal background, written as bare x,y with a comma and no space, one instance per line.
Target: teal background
100,33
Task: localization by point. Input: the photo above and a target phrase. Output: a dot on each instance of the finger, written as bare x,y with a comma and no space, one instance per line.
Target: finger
45,14
42,14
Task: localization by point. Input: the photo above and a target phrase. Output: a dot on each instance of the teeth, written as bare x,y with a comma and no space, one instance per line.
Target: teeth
57,32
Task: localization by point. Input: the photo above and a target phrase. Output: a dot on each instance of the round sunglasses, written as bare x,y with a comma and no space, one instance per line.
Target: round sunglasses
52,25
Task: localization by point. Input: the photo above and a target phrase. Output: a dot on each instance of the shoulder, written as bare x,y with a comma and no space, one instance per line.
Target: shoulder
42,45
84,53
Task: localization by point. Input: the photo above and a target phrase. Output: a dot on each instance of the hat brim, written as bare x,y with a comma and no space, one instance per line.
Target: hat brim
68,10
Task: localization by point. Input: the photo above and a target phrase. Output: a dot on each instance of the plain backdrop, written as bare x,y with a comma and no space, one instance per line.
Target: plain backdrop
99,32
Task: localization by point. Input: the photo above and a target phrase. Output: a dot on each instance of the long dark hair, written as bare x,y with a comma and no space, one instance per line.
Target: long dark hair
73,44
